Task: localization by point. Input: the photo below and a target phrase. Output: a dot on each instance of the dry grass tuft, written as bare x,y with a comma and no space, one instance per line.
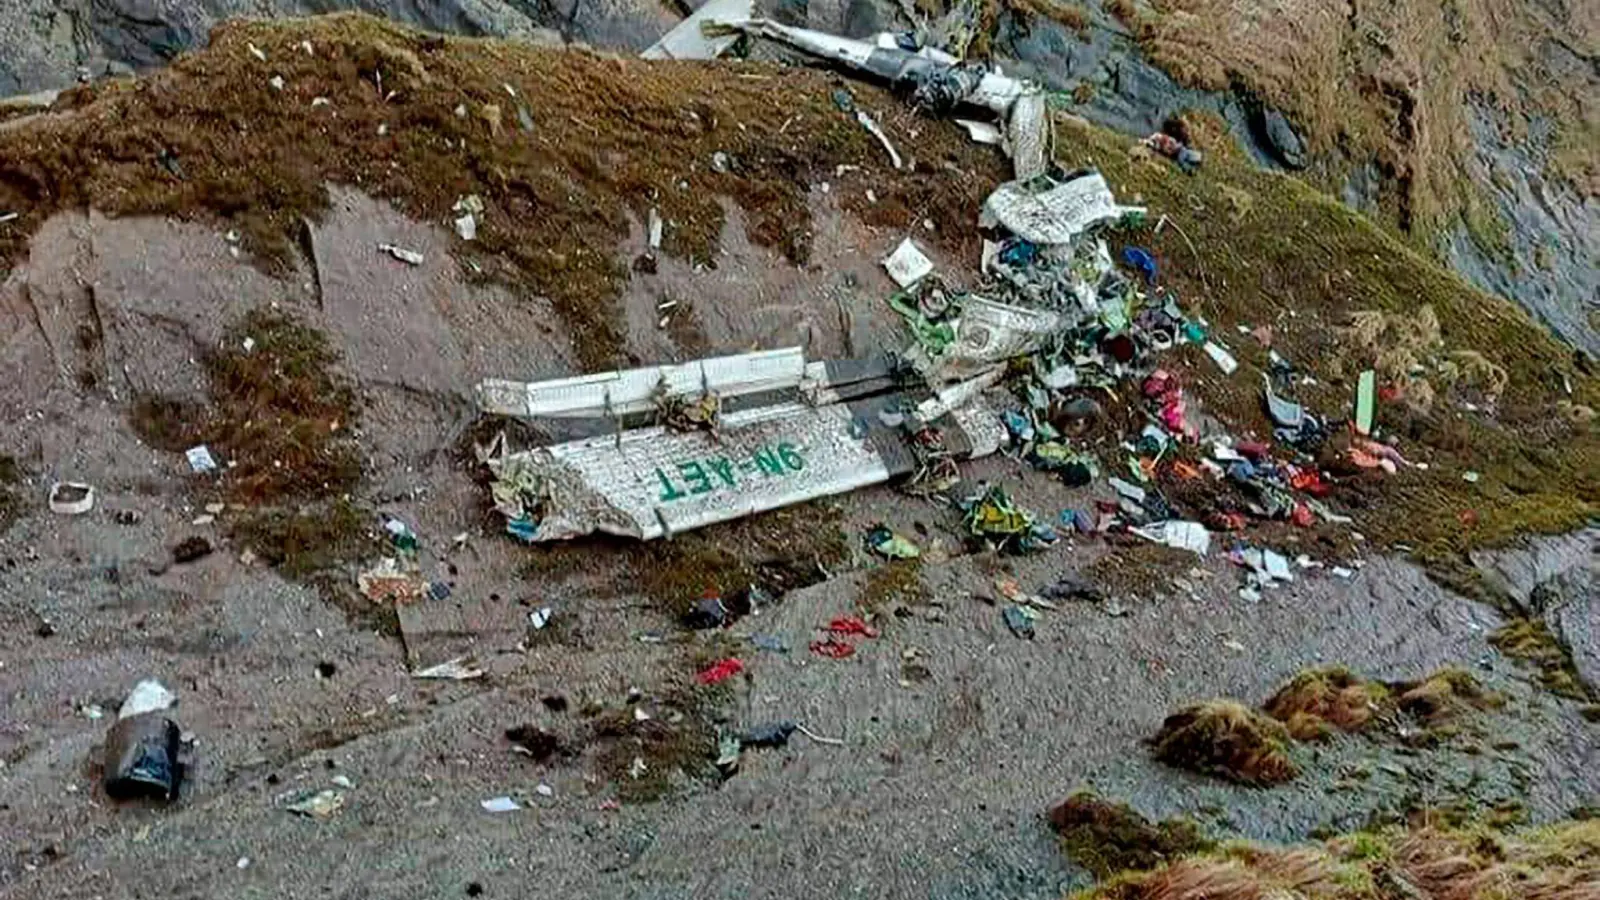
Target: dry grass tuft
1107,838
1223,738
1444,696
1319,701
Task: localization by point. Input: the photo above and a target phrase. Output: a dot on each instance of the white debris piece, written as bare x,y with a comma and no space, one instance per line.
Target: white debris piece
402,254
1179,535
908,265
71,498
460,669
8,217
987,333
500,805
149,695
276,82
257,52
980,132
321,805
200,460
1027,139
1220,355
654,226
1053,216
688,40
624,392
876,131
467,227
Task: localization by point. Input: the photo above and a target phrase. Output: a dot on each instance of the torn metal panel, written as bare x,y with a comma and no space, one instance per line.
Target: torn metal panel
1056,215
652,482
938,82
688,40
988,333
618,393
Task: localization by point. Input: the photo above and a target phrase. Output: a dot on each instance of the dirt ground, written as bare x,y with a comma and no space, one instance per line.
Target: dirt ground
938,790
956,735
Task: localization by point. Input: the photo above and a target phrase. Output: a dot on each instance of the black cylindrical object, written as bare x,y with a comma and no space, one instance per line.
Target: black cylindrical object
142,758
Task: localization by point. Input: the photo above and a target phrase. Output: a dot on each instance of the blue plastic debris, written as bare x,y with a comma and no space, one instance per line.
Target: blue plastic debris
769,642
525,530
1019,253
1020,426
1140,258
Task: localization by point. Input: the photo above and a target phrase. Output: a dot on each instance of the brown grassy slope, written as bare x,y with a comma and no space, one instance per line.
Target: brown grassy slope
1558,862
562,147
1389,82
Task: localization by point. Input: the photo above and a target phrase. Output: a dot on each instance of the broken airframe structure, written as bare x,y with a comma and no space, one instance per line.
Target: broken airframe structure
808,430
728,437
937,82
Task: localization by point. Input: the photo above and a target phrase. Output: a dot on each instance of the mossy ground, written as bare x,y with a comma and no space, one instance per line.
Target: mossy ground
1555,862
1317,702
10,498
1107,838
777,551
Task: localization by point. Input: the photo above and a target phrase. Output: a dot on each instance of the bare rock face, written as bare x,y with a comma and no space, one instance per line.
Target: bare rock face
51,43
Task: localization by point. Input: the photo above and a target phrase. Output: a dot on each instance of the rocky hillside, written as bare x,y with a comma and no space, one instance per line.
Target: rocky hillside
1471,128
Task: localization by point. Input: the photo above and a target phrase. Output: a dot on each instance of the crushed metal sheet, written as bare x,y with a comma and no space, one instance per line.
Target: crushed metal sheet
1179,535
688,40
908,265
652,482
987,333
631,391
407,256
981,132
1056,215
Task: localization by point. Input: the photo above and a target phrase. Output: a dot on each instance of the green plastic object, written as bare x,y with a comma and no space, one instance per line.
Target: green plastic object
1366,401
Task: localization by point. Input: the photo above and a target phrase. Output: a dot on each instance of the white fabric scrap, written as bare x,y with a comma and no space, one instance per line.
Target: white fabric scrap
1179,535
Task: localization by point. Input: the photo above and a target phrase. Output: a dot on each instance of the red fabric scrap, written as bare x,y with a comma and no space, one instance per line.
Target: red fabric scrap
1255,451
721,671
833,649
1309,481
1302,516
1228,521
852,625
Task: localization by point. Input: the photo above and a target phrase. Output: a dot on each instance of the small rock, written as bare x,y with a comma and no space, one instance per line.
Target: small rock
190,549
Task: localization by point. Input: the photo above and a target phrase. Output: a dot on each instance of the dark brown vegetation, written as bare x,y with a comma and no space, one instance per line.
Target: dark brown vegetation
1107,838
279,418
1223,738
